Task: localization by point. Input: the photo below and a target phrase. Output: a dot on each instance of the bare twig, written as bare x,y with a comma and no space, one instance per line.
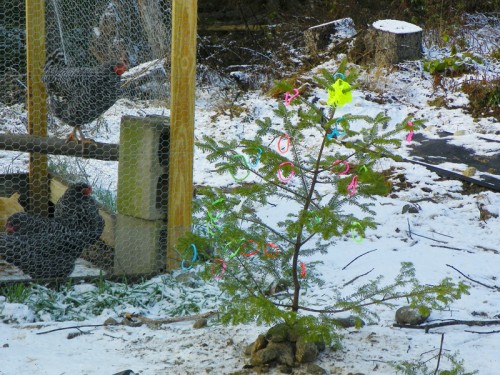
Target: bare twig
359,256
488,249
409,229
482,333
439,354
471,279
429,238
114,337
74,327
357,277
453,248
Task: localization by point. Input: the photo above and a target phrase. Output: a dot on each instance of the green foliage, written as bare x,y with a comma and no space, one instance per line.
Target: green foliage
456,64
455,366
484,97
169,296
15,293
495,53
262,264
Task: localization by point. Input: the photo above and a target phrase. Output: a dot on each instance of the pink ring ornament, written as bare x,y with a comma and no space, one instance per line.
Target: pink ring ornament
410,135
289,98
280,174
345,171
351,188
222,269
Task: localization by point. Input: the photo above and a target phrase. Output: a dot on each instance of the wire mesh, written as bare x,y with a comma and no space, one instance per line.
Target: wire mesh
105,79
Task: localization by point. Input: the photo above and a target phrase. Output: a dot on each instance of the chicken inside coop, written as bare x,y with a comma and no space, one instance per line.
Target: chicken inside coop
79,95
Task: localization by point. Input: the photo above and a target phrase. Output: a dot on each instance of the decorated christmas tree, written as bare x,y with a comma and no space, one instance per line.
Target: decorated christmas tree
260,250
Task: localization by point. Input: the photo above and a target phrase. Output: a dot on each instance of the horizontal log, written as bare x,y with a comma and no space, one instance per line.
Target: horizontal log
227,28
56,146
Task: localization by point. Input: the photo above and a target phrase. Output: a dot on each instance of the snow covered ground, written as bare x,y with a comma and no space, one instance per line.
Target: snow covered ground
447,231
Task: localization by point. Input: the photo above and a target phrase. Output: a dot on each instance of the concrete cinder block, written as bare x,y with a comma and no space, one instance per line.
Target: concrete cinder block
139,246
142,166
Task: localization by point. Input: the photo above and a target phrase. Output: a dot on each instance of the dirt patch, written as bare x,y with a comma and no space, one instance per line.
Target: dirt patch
436,151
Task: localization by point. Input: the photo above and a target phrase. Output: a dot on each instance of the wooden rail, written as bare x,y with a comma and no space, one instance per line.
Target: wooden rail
56,146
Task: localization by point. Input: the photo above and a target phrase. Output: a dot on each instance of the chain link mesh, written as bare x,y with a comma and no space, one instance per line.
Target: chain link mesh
106,66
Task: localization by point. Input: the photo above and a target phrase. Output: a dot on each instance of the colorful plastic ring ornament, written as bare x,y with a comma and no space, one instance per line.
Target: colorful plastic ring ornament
339,76
303,271
284,150
223,267
351,188
335,131
251,253
257,159
193,259
212,223
289,98
410,135
280,174
273,254
345,171
244,160
363,168
232,255
359,237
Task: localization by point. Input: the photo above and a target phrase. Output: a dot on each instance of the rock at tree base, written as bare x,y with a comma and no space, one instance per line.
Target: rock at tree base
282,346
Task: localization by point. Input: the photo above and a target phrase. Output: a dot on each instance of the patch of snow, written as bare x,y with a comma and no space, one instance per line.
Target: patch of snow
396,27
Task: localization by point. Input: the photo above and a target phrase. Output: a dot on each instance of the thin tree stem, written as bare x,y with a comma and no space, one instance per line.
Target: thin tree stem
298,240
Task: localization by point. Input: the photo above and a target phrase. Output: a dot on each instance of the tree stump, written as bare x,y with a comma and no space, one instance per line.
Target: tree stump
319,38
390,42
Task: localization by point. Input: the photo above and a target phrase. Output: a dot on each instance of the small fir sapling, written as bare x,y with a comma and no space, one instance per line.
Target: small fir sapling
262,264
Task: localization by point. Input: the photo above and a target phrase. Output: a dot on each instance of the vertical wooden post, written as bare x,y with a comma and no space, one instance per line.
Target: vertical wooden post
37,103
183,75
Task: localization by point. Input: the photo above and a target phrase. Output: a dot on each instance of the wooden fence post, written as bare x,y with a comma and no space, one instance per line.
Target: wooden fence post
37,103
183,75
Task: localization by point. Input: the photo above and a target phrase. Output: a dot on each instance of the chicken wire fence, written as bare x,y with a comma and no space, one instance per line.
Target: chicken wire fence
106,78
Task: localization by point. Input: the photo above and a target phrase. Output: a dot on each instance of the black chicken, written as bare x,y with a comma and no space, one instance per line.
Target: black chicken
79,95
26,223
48,248
41,247
78,211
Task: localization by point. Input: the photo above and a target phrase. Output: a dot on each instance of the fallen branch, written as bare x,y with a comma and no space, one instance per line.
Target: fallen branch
359,256
357,277
76,327
452,248
471,279
493,185
470,323
141,319
172,320
482,333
